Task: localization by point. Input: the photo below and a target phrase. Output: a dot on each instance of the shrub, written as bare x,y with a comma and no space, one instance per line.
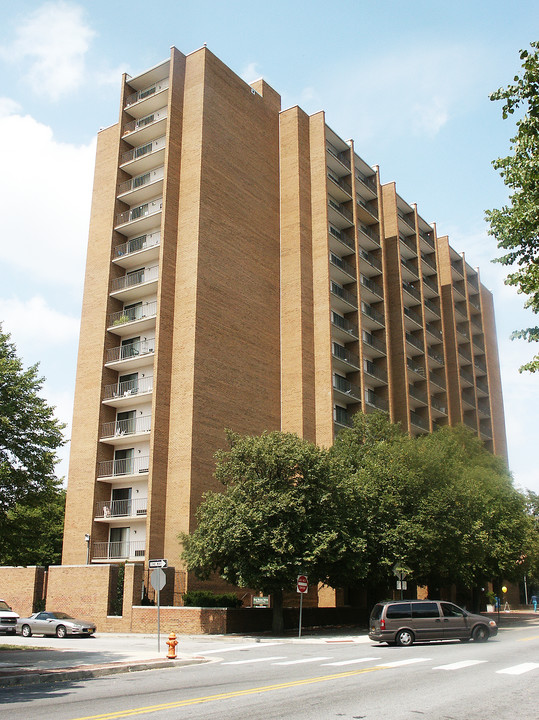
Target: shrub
206,598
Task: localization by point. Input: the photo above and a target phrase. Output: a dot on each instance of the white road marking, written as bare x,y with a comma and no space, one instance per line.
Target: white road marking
459,665
518,669
398,663
254,660
303,660
238,647
351,662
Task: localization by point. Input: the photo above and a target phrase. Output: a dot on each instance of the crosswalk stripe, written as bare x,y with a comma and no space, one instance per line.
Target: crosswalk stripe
303,660
398,663
254,660
238,647
350,662
518,669
459,665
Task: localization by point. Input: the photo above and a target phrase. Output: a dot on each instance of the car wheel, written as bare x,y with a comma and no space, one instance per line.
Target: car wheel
481,634
405,638
26,632
60,631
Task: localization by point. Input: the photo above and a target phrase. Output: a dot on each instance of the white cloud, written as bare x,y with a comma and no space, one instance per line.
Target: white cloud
52,43
36,324
250,72
48,195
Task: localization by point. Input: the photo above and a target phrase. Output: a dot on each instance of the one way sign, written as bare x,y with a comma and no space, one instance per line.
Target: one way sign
157,564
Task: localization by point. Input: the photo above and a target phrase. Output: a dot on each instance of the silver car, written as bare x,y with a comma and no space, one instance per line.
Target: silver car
53,623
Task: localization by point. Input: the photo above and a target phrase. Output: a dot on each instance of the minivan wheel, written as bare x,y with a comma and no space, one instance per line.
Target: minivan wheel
481,634
405,638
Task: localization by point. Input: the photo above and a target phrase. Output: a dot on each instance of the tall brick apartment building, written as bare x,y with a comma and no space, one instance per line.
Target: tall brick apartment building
247,269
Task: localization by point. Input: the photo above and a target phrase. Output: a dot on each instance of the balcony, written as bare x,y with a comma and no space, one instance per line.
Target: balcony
476,322
123,469
138,250
480,366
343,156
345,215
373,345
127,287
418,421
134,550
141,130
409,221
437,380
345,329
345,271
415,342
430,288
133,319
377,376
143,187
438,405
370,290
338,187
408,242
475,302
369,183
466,377
118,431
130,355
366,211
112,509
144,157
429,260
344,356
140,218
482,385
459,290
368,237
456,266
342,417
343,299
415,368
428,238
370,314
411,290
345,388
374,401
431,309
336,234
368,260
408,270
435,357
464,355
470,422
473,281
434,331
412,315
417,394
143,102
122,393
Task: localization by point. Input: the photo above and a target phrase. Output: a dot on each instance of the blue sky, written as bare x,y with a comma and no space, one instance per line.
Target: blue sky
408,82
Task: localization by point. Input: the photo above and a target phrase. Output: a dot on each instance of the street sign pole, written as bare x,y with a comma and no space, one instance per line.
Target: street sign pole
302,586
158,580
300,612
158,619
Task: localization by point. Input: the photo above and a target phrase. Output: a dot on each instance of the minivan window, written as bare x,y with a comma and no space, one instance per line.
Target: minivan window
425,610
376,613
400,610
450,610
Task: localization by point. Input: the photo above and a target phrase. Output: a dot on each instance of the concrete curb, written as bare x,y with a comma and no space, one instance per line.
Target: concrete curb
34,677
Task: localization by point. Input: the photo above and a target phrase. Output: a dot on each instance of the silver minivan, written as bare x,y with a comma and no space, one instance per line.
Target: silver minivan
403,622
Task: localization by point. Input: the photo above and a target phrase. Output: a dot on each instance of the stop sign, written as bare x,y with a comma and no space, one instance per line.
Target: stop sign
302,584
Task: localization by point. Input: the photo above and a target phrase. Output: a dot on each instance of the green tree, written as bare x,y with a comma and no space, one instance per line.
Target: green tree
32,531
286,509
29,433
439,503
516,225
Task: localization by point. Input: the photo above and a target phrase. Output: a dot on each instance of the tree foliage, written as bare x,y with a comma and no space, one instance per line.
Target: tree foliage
516,225
439,503
286,509
29,432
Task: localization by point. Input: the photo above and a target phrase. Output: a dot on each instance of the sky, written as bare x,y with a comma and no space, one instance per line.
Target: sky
409,82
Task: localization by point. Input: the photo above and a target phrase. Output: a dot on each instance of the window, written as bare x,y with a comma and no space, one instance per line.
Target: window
401,610
450,610
425,610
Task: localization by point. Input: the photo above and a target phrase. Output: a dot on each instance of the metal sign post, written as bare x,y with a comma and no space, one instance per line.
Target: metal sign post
401,571
302,585
158,580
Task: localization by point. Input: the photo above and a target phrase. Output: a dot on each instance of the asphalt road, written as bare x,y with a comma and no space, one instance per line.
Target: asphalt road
349,678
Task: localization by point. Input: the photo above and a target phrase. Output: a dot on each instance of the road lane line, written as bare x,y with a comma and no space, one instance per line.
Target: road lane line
526,639
518,669
238,647
254,660
303,660
350,662
459,665
115,715
398,663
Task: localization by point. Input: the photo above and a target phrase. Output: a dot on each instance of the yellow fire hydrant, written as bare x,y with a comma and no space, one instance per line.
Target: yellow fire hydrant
172,642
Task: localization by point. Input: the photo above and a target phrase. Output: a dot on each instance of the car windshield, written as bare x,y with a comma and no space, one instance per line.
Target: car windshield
4,606
61,616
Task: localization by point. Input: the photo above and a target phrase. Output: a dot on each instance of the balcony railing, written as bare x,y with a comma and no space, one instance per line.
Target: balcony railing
430,283
438,405
372,286
342,156
434,330
129,387
342,417
415,341
118,550
409,266
369,257
138,277
136,507
437,380
141,180
146,93
341,353
342,237
457,267
418,394
136,244
428,238
371,369
418,421
435,356
142,150
367,181
482,385
136,213
480,365
415,367
410,221
343,324
464,353
132,314
340,182
129,426
373,342
370,233
343,294
341,209
409,242
338,262
371,398
368,310
432,307
130,350
413,315
140,123
125,466
428,259
466,375
346,387
475,302
369,207
411,290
